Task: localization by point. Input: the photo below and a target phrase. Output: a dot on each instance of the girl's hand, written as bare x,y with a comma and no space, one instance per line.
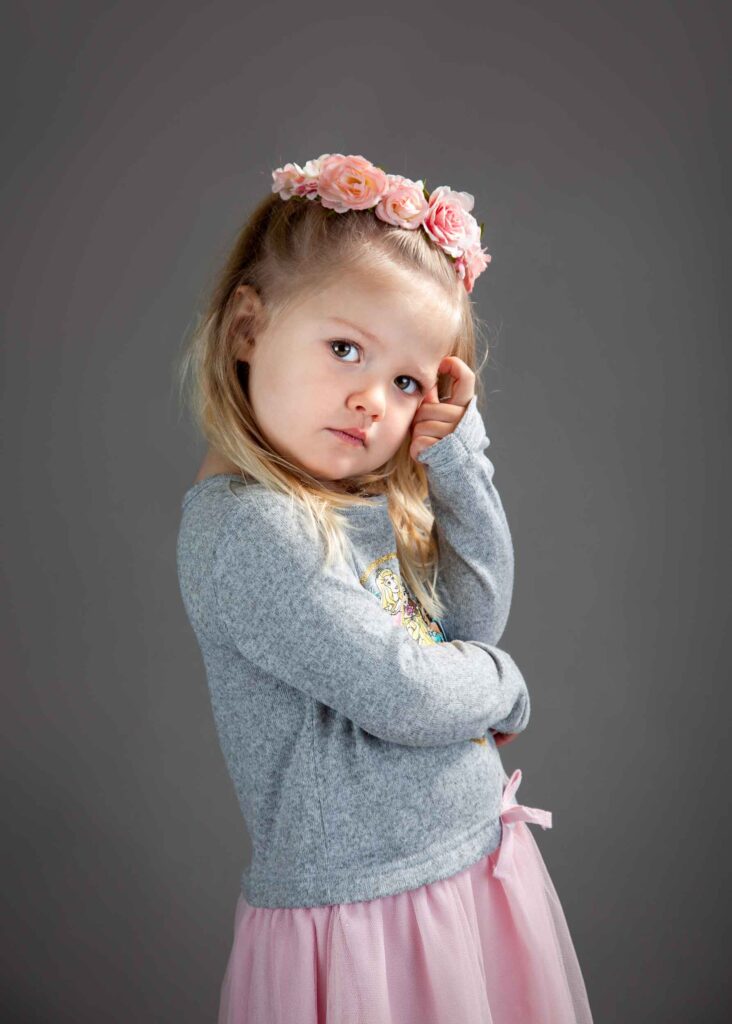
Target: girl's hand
502,738
435,419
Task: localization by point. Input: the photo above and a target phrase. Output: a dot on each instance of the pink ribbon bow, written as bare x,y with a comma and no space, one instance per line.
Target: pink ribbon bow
511,813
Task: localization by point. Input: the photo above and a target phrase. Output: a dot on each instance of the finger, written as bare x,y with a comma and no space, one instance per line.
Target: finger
441,413
419,446
431,430
463,380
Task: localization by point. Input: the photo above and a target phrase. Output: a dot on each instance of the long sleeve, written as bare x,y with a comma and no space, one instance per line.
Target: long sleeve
324,634
476,563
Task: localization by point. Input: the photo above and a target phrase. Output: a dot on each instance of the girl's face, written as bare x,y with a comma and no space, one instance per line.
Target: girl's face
360,354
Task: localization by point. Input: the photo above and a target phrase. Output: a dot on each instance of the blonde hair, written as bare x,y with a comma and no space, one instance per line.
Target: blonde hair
286,250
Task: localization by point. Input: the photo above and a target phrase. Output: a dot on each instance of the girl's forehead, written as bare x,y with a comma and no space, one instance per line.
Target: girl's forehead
391,307
390,282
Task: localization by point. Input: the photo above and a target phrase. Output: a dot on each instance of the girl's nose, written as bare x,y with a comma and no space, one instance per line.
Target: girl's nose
370,401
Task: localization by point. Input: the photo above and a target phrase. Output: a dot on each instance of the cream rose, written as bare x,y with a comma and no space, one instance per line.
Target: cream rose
403,204
350,183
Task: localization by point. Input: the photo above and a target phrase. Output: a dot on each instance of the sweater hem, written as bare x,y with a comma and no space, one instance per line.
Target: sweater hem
356,886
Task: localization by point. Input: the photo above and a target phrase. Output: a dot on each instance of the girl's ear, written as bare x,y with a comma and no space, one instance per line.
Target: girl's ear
247,313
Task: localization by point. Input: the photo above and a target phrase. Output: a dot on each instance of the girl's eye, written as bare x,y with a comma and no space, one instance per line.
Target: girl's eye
419,390
348,344
353,345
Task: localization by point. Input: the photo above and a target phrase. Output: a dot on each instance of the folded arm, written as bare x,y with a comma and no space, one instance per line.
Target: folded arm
321,632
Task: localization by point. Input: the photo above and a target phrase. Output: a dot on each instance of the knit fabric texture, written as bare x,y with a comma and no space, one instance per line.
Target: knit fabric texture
356,729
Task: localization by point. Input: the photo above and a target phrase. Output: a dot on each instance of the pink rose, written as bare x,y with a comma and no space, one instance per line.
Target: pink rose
403,203
470,264
448,219
350,183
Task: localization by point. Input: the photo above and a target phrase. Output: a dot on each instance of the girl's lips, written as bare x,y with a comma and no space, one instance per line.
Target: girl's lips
347,438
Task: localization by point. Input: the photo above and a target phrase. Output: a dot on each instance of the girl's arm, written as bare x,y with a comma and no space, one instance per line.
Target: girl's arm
476,564
323,633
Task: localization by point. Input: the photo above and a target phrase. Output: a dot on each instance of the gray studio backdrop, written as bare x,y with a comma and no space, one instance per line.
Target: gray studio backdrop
593,136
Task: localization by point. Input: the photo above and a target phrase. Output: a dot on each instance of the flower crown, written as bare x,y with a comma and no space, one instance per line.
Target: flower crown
343,183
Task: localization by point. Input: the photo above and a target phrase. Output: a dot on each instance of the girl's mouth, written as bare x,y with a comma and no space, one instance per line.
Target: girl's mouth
348,438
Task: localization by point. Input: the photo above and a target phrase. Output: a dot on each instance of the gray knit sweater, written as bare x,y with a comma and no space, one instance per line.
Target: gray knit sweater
355,729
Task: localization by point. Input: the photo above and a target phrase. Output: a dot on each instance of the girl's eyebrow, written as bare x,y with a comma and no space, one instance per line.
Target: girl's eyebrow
372,337
355,327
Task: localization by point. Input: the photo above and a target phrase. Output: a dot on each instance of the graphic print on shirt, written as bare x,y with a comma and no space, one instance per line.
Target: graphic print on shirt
384,581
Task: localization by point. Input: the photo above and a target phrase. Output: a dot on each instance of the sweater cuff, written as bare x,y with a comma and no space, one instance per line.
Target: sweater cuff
468,436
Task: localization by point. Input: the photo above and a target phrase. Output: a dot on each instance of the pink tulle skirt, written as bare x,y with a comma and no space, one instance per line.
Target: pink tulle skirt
489,945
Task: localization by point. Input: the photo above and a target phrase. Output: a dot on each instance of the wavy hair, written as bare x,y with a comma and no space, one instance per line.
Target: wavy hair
285,250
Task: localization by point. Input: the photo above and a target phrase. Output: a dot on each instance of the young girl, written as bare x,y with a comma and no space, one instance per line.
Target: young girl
346,565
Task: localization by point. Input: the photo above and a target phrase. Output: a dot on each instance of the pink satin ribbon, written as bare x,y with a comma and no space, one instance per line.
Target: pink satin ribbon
511,813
